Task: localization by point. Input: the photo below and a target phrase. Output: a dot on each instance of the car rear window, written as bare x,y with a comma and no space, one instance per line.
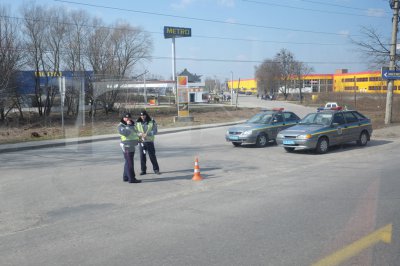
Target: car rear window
350,117
359,116
290,117
339,118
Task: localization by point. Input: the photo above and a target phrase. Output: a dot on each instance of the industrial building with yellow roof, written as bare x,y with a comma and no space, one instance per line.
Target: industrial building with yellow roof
341,81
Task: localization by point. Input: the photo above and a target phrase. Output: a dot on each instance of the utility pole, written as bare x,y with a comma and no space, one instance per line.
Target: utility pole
394,4
144,89
355,93
231,88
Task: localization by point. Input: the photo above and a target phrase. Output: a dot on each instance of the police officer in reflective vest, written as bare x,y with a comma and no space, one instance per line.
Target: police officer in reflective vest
129,140
147,128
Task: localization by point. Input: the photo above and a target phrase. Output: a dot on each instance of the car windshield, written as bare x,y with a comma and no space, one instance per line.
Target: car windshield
261,118
317,118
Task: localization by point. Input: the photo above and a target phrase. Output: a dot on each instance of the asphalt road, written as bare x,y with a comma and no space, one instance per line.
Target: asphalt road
255,206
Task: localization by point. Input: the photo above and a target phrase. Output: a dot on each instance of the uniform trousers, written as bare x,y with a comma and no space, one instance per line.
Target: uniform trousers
148,148
129,170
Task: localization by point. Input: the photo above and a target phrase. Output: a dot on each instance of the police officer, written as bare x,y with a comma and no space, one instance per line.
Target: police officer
129,140
147,128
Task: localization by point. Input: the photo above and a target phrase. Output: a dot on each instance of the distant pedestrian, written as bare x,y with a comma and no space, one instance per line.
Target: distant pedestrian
147,129
129,140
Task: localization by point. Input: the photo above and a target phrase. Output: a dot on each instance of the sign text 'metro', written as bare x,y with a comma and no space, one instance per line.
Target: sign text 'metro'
172,32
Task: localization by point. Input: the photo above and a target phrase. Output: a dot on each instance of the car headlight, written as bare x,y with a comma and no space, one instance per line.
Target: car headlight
307,136
247,133
279,136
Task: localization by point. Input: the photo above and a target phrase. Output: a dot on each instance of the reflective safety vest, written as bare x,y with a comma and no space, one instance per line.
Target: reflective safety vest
149,129
132,136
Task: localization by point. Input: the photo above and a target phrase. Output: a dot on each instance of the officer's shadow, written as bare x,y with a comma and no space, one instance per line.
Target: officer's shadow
169,177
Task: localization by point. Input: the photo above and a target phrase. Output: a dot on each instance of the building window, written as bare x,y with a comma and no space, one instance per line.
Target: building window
374,88
375,79
350,88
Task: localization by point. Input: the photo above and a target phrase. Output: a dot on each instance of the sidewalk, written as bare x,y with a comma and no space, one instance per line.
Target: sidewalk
30,145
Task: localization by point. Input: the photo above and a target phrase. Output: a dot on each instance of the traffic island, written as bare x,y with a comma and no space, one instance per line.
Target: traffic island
183,119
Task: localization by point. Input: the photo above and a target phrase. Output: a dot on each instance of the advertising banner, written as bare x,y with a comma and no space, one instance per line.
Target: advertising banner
183,96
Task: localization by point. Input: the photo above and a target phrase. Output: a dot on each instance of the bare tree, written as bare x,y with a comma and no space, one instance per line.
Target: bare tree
212,84
286,62
75,43
11,56
55,35
268,76
131,45
113,55
300,70
373,48
34,31
99,55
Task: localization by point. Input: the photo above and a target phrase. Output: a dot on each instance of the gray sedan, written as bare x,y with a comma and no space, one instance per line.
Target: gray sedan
320,130
262,128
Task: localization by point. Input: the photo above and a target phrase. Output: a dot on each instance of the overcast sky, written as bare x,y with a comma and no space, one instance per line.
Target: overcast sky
237,35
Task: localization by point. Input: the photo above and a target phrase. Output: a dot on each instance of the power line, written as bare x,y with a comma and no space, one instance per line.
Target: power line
263,41
62,51
250,61
203,19
310,9
336,5
195,36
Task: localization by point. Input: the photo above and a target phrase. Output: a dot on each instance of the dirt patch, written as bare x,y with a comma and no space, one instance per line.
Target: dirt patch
33,127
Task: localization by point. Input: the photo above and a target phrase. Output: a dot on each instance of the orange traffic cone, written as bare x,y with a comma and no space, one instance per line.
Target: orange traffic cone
196,176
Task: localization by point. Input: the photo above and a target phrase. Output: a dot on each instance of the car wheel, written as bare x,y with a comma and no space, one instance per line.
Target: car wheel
322,145
363,139
262,140
288,149
236,144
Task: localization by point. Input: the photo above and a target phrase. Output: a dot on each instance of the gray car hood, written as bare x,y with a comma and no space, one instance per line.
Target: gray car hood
304,129
247,126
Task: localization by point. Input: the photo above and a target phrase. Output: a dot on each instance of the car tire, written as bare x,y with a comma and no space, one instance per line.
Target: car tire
322,145
363,139
289,149
262,140
236,144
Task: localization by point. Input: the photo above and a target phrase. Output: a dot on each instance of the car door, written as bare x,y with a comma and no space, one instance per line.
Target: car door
339,124
290,119
353,129
278,124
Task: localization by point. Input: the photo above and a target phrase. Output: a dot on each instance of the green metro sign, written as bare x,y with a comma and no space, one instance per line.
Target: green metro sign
173,32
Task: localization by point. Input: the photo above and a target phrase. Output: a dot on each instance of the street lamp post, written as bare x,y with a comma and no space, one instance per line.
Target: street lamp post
355,93
231,87
144,88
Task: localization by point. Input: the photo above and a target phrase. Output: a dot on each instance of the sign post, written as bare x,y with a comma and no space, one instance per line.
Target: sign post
172,33
61,87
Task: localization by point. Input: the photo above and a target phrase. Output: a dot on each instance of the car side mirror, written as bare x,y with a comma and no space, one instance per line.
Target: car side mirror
335,124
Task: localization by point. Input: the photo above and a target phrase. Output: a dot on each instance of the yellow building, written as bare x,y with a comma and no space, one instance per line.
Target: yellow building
369,82
341,81
244,85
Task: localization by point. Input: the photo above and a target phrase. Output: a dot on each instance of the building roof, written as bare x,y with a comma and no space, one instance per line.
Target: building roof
191,77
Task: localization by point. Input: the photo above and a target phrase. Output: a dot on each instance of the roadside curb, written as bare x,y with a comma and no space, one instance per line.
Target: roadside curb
22,146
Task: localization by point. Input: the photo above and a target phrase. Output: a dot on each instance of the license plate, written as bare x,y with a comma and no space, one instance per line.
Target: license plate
288,142
233,137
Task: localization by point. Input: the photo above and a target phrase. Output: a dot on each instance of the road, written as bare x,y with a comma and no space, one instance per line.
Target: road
255,206
252,101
